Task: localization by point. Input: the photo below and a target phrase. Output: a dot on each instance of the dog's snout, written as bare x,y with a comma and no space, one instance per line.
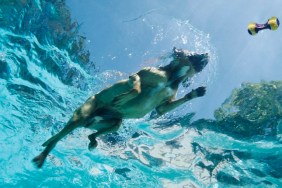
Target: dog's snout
199,61
203,56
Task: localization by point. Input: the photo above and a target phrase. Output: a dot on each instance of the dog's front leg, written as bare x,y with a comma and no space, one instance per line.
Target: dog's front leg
170,105
134,81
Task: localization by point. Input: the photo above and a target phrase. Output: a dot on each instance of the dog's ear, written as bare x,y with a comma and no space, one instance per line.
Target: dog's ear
174,52
177,53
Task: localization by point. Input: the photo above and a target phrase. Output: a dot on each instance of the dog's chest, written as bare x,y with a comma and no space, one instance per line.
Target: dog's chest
150,98
161,92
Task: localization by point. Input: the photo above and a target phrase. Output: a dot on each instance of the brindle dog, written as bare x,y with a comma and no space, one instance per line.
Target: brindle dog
150,88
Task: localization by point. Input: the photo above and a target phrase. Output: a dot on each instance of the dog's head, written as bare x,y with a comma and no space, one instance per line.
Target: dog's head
185,64
183,58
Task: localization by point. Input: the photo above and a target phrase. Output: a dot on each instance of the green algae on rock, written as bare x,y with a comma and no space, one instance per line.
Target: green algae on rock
253,109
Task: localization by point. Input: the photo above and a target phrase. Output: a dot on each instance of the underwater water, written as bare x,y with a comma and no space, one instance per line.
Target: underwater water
47,69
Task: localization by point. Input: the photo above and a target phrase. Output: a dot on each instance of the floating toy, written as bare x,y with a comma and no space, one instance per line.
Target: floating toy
272,24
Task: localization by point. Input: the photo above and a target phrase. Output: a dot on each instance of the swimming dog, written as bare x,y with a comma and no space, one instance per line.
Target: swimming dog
147,90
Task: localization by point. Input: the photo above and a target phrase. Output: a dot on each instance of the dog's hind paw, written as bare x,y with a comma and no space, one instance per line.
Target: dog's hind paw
92,145
39,160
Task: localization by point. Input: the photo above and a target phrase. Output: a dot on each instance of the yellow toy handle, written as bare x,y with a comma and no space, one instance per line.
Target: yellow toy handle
252,29
273,23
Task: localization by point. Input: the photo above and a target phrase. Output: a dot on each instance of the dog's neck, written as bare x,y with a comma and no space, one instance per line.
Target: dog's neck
176,74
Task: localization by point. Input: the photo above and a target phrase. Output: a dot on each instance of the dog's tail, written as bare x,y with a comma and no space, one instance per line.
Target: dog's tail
51,143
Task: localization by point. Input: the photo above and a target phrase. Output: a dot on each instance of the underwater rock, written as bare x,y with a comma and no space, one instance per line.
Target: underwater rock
253,109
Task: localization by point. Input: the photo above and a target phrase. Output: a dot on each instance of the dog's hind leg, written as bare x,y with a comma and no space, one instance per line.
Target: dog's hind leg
51,143
109,126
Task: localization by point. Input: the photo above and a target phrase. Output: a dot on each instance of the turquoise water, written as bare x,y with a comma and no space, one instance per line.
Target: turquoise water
46,72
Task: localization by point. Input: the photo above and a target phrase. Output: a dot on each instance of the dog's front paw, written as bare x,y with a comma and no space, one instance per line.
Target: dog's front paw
200,91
